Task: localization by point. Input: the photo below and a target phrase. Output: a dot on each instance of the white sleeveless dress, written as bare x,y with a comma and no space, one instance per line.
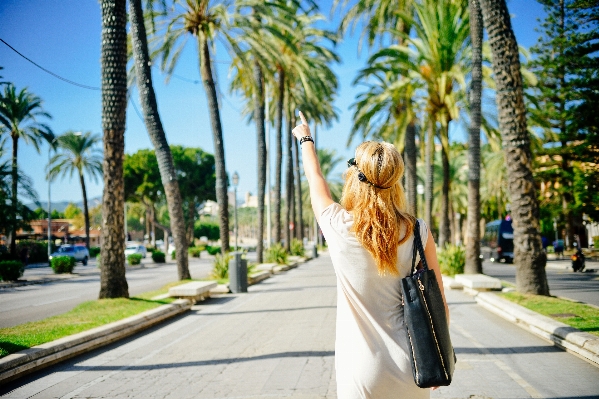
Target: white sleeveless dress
371,348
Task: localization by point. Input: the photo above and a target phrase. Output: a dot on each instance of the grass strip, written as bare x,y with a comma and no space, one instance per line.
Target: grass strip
586,317
82,317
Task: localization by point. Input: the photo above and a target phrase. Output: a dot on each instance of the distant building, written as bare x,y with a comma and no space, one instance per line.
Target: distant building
61,229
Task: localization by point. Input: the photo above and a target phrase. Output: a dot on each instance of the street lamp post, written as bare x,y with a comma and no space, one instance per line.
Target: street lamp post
49,202
235,179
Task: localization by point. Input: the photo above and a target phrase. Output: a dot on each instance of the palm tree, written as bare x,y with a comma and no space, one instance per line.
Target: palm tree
25,190
473,262
529,257
113,283
440,67
19,114
204,22
157,136
79,154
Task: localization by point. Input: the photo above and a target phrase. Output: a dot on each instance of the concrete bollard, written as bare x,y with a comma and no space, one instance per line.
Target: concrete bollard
238,273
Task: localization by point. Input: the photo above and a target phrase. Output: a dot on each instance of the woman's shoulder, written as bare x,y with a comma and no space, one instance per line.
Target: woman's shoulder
335,219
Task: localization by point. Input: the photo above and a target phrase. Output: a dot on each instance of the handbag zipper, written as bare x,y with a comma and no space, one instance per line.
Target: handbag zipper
432,328
413,357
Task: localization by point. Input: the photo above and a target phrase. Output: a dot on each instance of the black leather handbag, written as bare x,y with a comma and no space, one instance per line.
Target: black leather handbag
432,355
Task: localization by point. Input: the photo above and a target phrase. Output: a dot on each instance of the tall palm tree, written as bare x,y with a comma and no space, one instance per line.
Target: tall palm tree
204,21
303,78
473,262
79,155
529,257
155,130
19,114
25,188
113,283
440,65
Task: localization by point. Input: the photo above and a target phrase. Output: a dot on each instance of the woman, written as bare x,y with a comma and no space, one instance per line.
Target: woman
370,238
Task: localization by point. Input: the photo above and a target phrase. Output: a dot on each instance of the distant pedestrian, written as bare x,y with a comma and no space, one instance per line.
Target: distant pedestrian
370,238
558,248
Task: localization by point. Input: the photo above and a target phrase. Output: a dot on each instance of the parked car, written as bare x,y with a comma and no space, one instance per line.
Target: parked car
498,242
136,249
78,252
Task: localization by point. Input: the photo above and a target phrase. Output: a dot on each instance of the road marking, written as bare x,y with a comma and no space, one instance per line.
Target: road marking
55,301
504,367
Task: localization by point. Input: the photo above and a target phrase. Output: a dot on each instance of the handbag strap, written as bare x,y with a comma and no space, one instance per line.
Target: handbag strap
418,248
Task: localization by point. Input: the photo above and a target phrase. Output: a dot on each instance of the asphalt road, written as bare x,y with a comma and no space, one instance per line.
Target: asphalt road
34,302
562,280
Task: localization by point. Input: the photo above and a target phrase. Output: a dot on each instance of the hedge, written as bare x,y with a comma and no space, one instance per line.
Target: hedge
62,264
11,270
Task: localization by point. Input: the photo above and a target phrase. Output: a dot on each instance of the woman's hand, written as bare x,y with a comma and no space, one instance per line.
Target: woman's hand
301,130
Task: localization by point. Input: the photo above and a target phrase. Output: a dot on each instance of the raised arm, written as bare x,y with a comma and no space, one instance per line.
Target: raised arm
320,194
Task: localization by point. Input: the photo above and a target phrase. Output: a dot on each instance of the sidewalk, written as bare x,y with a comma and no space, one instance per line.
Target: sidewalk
277,341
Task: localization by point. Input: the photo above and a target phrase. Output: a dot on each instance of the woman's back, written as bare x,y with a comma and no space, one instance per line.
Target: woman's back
371,346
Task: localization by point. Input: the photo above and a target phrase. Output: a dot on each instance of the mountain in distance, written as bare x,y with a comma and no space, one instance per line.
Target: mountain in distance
61,205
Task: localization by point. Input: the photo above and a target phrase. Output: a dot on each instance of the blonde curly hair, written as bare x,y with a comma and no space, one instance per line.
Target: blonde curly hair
378,203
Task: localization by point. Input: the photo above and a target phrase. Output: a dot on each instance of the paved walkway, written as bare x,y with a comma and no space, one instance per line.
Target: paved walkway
277,341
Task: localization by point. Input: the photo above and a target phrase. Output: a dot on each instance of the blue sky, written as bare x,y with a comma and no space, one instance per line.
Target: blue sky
64,37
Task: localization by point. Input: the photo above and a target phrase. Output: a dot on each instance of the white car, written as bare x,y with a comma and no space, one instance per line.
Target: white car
136,249
77,252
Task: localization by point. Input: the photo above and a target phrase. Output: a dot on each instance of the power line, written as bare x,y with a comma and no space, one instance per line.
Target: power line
50,72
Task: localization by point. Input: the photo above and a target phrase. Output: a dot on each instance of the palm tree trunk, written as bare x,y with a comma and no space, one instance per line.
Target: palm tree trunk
85,209
279,160
290,215
155,130
473,262
410,162
444,231
15,198
113,283
529,256
430,169
299,233
261,135
217,135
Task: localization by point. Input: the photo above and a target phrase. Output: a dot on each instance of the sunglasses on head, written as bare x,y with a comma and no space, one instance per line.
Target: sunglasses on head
361,176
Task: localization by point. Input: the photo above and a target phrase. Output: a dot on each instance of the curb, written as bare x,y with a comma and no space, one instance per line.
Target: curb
562,335
38,357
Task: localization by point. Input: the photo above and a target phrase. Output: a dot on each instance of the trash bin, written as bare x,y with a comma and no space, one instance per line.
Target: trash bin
238,273
314,252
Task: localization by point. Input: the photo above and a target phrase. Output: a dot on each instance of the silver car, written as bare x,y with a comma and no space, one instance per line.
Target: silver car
136,249
78,252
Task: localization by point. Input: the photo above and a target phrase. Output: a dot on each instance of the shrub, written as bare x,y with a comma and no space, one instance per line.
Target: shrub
134,259
37,251
62,264
209,230
221,266
158,257
195,251
174,255
213,250
297,247
452,259
99,261
596,242
276,254
94,251
11,270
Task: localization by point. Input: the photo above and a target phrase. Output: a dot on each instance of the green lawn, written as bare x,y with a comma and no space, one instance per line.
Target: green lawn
81,318
586,317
